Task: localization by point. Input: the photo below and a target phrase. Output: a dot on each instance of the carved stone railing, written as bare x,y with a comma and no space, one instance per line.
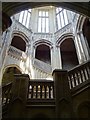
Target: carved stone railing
41,89
16,53
79,74
6,93
42,66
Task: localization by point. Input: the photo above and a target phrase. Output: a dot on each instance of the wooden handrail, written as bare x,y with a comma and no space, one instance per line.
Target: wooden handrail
79,74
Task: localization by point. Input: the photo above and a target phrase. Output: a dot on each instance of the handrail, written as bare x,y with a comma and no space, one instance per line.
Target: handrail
6,93
79,74
41,89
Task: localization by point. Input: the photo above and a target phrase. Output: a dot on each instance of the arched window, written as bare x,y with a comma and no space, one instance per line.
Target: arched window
25,17
43,21
68,54
19,43
61,18
43,53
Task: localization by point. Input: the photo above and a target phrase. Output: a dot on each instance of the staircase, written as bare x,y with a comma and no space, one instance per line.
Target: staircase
36,98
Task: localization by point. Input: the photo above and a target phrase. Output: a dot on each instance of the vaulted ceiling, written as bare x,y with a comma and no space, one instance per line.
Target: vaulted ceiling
10,8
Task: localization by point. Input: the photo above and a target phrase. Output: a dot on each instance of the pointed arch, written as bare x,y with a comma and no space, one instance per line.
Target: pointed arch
63,37
43,41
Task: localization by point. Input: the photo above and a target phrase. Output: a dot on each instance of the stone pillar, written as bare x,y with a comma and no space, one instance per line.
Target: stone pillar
79,49
83,42
19,96
64,108
51,52
59,57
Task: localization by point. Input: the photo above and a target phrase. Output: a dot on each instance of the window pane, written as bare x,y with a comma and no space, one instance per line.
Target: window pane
62,20
21,16
58,21
65,17
43,24
44,21
47,25
39,13
43,14
25,15
39,25
47,14
28,20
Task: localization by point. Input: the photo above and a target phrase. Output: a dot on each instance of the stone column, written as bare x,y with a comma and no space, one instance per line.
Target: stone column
83,42
52,54
59,57
79,49
19,93
64,108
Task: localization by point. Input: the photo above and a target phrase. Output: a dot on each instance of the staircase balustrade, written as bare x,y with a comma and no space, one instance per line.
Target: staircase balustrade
41,89
79,74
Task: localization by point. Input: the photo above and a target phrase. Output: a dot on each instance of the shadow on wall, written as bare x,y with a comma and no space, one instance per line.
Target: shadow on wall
40,116
84,110
8,75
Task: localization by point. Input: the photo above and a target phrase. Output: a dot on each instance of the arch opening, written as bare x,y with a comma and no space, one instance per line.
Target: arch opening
68,54
43,53
19,43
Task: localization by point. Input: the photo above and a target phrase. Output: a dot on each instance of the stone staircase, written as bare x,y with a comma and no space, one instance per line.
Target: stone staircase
34,98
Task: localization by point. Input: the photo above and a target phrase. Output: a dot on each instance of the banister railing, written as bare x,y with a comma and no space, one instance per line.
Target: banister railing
41,89
79,74
6,93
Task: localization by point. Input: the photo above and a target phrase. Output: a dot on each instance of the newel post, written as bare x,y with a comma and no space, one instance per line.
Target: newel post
62,94
19,96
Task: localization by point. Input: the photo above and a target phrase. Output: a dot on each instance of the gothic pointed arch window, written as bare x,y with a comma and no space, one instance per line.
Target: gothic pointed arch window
19,43
43,53
68,54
